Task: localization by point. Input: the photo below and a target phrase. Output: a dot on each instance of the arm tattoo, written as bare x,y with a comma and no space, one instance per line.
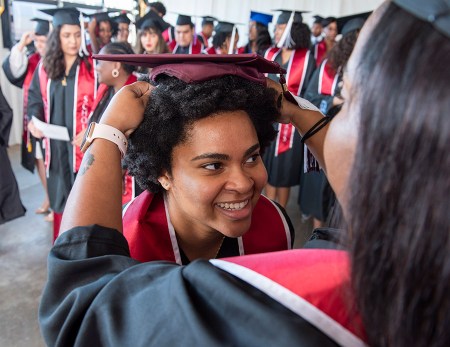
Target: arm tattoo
87,163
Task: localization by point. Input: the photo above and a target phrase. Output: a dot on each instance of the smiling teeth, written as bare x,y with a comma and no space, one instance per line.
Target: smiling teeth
233,206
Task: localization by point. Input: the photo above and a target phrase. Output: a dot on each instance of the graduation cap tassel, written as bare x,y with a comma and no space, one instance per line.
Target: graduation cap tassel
286,37
83,49
233,37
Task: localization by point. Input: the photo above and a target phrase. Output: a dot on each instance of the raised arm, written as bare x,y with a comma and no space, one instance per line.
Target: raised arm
96,194
303,119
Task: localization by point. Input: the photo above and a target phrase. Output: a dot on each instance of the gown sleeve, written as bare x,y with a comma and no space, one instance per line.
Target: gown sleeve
35,103
97,295
15,67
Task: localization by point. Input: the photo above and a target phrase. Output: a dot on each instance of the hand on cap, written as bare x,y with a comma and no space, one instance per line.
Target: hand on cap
26,39
126,110
287,109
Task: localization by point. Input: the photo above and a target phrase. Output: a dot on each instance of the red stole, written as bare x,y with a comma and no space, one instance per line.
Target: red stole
313,283
205,40
85,91
168,35
211,50
151,236
196,47
320,50
33,62
328,79
241,50
295,79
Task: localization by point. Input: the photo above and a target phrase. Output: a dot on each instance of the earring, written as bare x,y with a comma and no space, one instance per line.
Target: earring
115,73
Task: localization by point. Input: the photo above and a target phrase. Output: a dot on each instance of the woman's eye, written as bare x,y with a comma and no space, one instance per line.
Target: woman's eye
253,158
213,166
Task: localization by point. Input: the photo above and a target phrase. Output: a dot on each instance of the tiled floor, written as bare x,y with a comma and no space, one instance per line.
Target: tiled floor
24,245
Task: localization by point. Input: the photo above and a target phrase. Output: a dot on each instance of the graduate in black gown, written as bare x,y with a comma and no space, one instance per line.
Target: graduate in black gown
10,205
396,270
62,93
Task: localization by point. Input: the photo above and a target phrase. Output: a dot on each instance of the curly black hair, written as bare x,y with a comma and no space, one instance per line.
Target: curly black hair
173,109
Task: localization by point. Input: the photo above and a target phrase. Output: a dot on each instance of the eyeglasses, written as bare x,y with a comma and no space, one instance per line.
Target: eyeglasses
123,30
105,31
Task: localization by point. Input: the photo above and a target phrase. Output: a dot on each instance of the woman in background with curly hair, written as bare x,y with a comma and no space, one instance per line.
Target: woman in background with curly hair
198,156
62,93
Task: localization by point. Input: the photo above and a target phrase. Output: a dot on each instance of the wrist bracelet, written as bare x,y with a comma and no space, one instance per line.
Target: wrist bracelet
107,132
316,128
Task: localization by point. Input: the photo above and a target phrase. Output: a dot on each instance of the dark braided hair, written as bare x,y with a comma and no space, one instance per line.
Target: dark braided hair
173,109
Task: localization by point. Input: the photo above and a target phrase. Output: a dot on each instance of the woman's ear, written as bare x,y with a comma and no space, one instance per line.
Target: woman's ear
164,180
117,65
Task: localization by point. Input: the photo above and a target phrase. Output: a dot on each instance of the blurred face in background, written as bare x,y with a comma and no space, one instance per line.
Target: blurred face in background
279,30
40,43
70,39
122,32
104,32
331,31
184,35
316,29
149,40
252,33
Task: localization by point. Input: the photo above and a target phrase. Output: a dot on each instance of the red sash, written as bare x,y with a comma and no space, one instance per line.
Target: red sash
320,50
295,79
33,62
196,47
85,90
211,50
241,50
328,79
168,35
151,237
313,283
205,40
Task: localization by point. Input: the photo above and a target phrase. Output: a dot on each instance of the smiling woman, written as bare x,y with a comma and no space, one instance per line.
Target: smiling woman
198,155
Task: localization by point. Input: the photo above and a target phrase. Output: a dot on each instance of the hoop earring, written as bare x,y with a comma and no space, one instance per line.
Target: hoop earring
115,73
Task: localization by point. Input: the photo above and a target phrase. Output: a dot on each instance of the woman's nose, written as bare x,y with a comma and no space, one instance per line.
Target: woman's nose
240,180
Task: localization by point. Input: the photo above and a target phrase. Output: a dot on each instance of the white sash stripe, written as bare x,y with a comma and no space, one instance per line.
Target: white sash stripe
285,224
173,236
293,302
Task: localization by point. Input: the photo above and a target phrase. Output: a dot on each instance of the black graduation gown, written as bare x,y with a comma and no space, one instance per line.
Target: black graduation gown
286,169
113,300
10,205
61,98
316,197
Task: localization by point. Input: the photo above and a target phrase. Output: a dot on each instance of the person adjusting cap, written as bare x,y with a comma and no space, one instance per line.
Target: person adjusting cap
151,19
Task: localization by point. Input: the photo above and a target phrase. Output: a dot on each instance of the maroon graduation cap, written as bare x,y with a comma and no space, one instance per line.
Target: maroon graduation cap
195,68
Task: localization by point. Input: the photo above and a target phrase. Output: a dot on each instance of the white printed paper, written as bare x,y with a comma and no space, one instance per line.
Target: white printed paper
55,132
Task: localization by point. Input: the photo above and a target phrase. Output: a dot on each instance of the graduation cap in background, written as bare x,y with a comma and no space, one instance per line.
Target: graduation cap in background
69,16
436,12
327,21
288,17
350,23
261,18
318,19
122,18
42,26
152,19
66,15
208,20
184,20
